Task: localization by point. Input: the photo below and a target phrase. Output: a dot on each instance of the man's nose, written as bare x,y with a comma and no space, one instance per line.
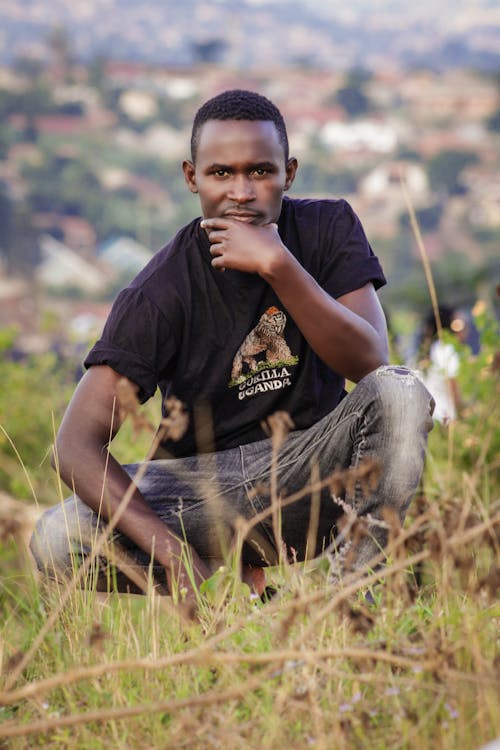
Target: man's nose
241,189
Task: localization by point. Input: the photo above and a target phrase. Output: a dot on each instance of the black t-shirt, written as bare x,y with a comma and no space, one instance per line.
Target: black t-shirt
224,340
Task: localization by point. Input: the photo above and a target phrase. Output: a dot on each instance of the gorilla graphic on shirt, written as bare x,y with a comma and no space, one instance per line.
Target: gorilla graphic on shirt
265,339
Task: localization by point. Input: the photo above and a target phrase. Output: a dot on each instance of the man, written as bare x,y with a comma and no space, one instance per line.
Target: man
265,305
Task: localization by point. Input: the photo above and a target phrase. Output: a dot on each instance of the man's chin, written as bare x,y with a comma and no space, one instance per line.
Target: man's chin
256,221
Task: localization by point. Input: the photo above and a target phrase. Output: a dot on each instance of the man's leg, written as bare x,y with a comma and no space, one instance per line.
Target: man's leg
203,499
200,498
386,417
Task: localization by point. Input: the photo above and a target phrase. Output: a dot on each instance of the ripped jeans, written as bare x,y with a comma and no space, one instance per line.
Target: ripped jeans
205,498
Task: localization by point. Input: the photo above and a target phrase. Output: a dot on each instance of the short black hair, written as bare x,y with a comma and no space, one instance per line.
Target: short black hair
238,104
446,317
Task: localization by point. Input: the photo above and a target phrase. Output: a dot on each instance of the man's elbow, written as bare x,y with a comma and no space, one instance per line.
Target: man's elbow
382,360
67,454
378,357
368,366
60,460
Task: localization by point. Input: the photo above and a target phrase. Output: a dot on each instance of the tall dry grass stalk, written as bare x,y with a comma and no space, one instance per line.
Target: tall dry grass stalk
298,640
424,257
404,656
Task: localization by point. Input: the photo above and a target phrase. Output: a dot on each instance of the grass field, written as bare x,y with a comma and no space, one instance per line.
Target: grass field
319,665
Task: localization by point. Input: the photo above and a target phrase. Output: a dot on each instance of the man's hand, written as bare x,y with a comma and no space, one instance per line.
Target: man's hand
85,465
242,246
349,333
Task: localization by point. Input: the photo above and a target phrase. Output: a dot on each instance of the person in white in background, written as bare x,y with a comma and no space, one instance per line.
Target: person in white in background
439,365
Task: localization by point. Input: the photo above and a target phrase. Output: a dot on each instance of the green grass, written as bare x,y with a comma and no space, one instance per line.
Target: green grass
317,666
414,669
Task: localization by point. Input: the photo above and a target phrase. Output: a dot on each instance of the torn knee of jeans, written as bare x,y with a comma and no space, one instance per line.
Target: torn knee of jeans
394,370
402,373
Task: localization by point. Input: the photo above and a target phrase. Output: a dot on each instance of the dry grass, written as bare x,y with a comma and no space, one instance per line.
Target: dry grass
416,665
317,666
320,665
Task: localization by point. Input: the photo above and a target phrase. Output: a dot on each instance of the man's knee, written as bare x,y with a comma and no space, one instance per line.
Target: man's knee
57,534
400,417
45,544
402,396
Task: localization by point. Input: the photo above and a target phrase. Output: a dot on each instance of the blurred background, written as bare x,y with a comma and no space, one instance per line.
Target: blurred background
96,103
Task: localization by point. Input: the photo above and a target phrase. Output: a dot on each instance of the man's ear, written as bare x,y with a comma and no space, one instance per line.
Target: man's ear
291,171
190,175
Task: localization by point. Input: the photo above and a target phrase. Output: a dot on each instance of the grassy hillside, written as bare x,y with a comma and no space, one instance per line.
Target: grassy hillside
320,665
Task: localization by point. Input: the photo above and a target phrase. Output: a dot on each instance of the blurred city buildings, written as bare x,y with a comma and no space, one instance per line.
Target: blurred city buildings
96,114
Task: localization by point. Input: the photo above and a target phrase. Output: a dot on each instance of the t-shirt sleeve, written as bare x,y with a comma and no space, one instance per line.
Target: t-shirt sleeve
136,342
348,261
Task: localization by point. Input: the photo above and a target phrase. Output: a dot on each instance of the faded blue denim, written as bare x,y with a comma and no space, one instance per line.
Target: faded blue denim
203,498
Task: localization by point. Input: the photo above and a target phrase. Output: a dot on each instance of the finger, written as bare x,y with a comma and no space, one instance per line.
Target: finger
217,257
215,235
216,249
214,223
218,263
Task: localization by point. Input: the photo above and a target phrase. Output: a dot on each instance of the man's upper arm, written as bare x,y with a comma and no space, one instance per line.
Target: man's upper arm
93,415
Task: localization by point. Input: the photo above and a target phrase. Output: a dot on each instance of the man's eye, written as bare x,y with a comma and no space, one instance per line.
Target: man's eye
260,172
220,172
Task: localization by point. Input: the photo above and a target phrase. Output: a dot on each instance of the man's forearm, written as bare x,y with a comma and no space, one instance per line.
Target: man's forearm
342,337
102,485
345,341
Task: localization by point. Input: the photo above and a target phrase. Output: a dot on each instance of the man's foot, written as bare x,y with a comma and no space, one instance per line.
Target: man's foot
255,578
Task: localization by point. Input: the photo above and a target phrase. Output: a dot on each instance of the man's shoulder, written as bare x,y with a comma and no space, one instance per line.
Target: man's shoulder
182,240
314,210
316,218
176,253
314,205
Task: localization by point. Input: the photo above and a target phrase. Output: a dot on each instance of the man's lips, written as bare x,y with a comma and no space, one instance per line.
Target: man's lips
245,216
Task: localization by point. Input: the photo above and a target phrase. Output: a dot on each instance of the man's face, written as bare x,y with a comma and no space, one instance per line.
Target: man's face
240,171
